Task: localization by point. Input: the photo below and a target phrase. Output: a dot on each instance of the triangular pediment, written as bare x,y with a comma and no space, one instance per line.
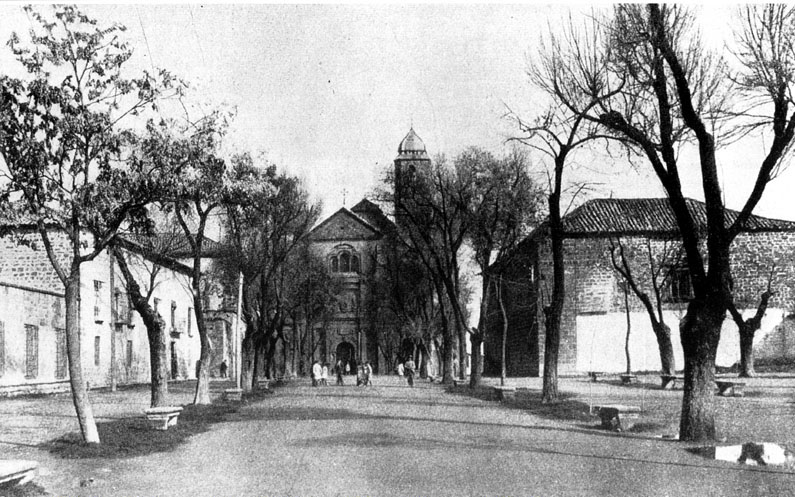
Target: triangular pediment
344,225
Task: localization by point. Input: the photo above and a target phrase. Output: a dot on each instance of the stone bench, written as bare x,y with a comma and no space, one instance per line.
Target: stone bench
505,394
617,417
17,471
595,375
626,379
161,418
667,380
730,388
233,394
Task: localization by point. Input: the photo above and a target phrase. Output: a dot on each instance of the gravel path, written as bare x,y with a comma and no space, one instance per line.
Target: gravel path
393,440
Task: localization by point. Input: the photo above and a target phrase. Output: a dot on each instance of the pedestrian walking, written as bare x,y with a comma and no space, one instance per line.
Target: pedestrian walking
339,367
409,366
324,375
223,367
368,374
316,372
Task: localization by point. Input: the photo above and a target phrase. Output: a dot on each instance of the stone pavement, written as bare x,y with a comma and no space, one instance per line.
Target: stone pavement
382,440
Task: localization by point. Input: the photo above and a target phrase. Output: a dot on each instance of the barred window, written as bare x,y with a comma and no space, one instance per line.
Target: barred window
129,353
2,348
97,299
678,288
96,351
61,363
31,351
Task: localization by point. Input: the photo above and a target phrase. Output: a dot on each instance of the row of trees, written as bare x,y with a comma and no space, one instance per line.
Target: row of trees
478,206
87,157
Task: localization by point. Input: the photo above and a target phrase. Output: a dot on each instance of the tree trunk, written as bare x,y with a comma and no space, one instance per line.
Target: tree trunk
666,348
448,336
629,330
85,415
247,376
553,312
478,336
747,351
202,396
155,333
700,334
503,362
476,340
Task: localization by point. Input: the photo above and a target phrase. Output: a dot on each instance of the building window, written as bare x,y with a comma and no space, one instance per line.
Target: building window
96,351
129,356
190,321
345,262
173,315
679,288
355,266
60,353
130,309
31,351
97,299
2,348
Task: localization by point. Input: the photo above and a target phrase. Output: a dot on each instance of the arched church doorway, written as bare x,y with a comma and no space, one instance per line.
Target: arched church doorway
347,354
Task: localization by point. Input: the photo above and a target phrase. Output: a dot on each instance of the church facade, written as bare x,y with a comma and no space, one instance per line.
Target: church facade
353,242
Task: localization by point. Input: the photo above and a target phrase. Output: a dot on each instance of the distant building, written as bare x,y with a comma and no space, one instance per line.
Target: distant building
32,315
352,242
593,324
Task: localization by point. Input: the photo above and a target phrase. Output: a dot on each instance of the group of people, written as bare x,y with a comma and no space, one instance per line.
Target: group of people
407,369
363,374
320,374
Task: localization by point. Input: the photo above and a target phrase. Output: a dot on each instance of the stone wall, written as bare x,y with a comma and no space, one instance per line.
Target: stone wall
32,294
593,289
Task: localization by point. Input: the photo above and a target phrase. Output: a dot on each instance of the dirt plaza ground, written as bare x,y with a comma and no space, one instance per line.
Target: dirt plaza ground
390,439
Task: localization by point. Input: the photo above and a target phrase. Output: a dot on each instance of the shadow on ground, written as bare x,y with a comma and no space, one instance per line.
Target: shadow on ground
132,437
568,408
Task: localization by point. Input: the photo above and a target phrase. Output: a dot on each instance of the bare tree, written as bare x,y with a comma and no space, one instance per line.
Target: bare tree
672,93
656,273
747,328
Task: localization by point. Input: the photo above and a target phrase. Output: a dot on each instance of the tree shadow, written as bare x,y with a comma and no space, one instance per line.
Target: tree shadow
567,408
133,437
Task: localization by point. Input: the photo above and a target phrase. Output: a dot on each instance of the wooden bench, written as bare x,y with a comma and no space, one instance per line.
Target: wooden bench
263,384
161,418
17,471
505,394
595,375
626,379
670,379
617,417
729,388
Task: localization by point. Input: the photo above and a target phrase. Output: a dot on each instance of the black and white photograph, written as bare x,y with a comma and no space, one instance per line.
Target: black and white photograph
407,249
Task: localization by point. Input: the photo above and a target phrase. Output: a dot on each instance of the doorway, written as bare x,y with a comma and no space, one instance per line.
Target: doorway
347,354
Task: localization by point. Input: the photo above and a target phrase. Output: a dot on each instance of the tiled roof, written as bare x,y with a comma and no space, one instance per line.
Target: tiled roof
650,215
373,214
172,245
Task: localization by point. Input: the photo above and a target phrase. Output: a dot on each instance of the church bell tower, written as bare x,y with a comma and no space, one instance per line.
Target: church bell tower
411,157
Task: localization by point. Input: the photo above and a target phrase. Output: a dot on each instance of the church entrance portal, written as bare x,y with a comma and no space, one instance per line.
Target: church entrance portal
347,354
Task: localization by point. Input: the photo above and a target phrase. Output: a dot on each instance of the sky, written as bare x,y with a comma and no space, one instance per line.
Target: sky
328,91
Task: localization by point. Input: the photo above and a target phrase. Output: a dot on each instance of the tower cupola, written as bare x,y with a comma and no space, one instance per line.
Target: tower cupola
412,148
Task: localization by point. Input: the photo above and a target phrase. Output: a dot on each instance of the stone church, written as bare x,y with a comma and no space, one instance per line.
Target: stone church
353,243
